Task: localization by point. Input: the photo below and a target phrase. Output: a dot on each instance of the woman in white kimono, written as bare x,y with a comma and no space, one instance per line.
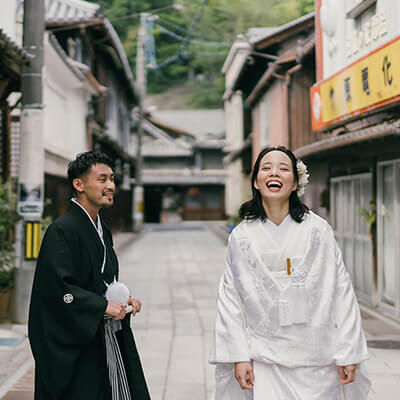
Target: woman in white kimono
288,325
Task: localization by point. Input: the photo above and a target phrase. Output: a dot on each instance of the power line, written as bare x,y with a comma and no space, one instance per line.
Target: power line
192,41
177,56
200,35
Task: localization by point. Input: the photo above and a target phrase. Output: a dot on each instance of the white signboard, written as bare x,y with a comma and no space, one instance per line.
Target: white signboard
30,200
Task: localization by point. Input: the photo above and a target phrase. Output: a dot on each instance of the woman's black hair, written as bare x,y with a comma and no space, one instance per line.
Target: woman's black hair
253,209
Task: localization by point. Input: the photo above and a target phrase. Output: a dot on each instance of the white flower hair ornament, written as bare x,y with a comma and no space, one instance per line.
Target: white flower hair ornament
303,177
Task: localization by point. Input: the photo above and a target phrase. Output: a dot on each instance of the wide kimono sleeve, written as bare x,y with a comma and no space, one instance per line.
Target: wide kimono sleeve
230,343
64,314
351,346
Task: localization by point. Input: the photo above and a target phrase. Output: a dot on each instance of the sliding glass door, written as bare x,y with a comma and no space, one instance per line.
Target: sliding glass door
388,235
348,195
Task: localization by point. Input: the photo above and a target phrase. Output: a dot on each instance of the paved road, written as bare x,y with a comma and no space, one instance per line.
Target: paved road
175,273
174,270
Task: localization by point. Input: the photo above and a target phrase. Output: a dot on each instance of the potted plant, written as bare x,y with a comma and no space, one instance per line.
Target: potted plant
8,220
370,217
6,282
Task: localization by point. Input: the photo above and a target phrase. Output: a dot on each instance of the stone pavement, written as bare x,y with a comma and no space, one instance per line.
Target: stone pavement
175,270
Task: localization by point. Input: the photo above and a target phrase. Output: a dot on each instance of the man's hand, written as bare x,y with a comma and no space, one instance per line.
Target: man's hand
347,374
136,305
116,310
244,374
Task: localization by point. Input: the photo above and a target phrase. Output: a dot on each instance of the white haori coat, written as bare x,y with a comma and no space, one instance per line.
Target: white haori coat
287,325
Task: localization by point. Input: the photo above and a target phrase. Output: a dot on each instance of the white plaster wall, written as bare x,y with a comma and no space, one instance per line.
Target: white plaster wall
65,109
7,18
264,119
234,121
338,32
233,188
234,140
240,52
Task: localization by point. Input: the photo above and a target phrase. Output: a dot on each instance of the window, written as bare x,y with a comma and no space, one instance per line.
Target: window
362,7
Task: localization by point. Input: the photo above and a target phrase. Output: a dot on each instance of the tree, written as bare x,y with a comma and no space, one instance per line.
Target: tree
207,44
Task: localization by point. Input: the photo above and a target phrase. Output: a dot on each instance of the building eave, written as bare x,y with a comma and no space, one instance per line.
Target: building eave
8,46
237,46
181,179
102,22
235,154
347,139
294,55
285,31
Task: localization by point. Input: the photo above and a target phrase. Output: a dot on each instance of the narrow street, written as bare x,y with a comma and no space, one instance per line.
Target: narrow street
174,270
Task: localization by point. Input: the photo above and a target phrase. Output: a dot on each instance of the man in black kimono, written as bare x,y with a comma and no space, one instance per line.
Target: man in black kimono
67,309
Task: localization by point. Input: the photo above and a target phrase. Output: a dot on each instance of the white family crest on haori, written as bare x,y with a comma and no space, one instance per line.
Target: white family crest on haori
303,177
300,316
68,298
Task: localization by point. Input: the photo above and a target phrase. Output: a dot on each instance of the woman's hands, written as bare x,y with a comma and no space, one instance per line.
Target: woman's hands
347,374
244,374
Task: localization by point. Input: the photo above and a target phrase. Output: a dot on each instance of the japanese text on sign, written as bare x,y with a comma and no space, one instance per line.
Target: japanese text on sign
368,82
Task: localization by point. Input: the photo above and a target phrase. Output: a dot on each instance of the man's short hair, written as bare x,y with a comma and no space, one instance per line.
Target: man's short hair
83,162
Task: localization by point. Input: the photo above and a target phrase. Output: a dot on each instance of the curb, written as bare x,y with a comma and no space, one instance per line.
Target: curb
15,377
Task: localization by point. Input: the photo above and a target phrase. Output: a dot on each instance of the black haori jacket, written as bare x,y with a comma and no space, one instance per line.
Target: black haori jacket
66,325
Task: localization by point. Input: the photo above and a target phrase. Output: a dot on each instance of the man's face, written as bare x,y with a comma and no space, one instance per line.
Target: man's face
97,186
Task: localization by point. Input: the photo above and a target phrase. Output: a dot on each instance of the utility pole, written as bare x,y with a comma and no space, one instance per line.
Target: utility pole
141,81
31,173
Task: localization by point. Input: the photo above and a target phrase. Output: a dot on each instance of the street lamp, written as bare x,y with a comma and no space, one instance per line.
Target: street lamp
141,80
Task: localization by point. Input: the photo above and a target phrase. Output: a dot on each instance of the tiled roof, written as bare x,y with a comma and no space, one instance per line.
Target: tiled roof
285,27
199,123
9,46
72,11
66,10
255,34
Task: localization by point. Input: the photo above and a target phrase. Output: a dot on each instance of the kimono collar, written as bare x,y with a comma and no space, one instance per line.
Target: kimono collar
99,227
279,232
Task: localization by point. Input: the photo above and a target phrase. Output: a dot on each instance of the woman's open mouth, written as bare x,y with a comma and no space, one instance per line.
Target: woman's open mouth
274,186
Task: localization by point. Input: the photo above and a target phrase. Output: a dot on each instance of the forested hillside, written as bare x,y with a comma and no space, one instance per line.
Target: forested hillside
191,44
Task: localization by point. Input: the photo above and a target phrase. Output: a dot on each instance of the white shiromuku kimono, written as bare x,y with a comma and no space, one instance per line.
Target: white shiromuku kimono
295,329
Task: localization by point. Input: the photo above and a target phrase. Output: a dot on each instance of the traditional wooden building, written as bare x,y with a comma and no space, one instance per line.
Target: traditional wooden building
183,175
12,57
88,95
354,107
268,75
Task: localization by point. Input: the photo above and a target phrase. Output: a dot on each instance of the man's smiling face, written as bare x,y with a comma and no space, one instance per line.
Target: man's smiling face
97,185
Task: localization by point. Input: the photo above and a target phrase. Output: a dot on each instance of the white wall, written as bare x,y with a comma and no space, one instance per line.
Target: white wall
347,40
65,110
234,140
264,115
8,18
